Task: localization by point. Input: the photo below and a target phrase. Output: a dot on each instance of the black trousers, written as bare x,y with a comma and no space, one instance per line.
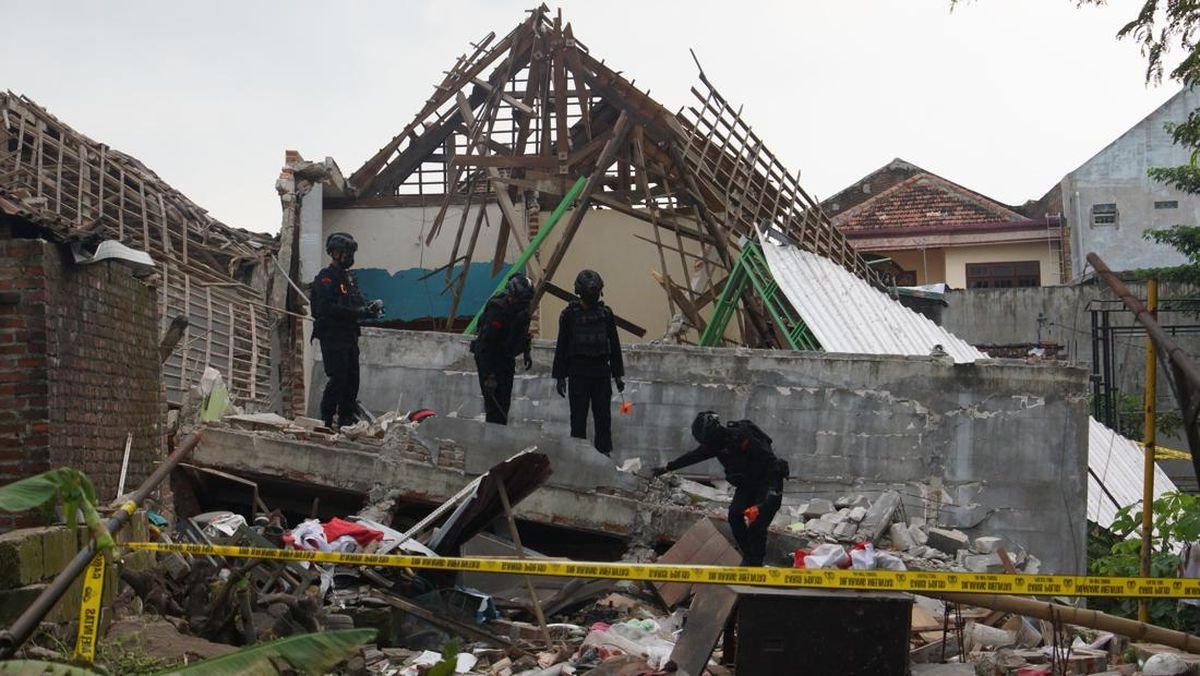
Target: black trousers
594,392
340,398
497,401
752,539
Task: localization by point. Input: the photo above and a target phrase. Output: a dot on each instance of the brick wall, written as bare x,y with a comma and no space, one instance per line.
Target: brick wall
24,386
79,368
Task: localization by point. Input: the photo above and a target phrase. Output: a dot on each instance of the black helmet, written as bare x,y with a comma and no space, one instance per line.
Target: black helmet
520,287
340,241
706,426
588,283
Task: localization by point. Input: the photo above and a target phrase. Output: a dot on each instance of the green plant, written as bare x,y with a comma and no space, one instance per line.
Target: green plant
1176,521
448,663
66,486
305,654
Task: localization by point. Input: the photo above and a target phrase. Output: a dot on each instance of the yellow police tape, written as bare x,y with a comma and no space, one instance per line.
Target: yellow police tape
872,580
89,610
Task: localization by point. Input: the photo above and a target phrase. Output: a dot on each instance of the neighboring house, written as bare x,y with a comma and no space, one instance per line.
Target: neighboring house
1110,201
933,230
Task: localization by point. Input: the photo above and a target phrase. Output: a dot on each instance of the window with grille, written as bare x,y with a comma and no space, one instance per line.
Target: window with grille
1104,214
1166,204
1007,275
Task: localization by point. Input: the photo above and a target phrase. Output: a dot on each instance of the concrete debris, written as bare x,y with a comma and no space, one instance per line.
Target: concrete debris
948,540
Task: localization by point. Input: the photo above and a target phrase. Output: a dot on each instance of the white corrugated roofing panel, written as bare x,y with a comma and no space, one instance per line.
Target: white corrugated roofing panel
846,314
1115,476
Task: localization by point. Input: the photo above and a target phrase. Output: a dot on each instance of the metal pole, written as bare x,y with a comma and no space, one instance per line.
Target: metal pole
543,232
20,631
1148,437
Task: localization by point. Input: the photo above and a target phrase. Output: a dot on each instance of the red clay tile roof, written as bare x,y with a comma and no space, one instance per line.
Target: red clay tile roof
870,185
924,200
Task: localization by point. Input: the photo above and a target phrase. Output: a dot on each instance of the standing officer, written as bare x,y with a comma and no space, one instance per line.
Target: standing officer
587,355
337,307
750,464
503,334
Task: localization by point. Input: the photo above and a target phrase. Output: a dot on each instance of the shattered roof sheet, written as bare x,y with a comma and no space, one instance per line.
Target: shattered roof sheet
1115,474
847,314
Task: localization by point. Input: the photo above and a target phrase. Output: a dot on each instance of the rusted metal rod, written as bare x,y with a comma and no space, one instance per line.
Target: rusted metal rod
1140,631
1187,374
1170,348
20,631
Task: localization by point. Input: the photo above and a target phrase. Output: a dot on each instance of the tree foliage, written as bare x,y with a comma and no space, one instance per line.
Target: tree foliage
1176,521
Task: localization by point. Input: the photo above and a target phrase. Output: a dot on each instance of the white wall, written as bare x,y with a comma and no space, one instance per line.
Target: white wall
1117,175
393,238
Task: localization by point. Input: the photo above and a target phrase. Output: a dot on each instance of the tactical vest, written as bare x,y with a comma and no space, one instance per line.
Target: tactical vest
589,332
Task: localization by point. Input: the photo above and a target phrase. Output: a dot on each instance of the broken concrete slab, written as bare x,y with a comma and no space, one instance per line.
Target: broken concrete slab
857,514
879,516
816,508
948,540
845,530
576,462
986,544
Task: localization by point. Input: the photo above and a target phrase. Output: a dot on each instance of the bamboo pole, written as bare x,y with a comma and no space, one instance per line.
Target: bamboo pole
1134,629
1148,439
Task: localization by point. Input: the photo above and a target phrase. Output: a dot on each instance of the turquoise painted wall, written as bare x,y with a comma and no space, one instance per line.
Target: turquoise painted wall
408,297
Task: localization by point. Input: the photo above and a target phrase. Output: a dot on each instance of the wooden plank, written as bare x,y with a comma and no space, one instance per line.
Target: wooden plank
516,538
229,345
563,294
459,628
506,161
607,157
563,140
707,617
208,323
701,544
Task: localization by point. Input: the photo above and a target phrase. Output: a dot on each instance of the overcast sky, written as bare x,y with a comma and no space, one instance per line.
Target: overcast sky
1002,96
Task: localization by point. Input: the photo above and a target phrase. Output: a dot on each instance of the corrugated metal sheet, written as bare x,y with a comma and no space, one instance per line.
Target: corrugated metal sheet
846,314
1115,466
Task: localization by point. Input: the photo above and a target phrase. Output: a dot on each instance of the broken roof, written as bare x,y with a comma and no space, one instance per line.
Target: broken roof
535,110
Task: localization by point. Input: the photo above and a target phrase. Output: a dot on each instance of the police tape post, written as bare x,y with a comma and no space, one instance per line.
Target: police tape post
868,580
89,610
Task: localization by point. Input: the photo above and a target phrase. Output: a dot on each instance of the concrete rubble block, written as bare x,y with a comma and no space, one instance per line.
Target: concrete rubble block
986,544
1165,664
836,517
1033,565
981,563
879,516
817,507
918,535
857,514
948,540
917,521
819,527
900,538
845,530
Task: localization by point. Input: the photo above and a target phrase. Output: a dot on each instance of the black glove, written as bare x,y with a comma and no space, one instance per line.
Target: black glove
658,471
528,360
620,385
560,386
489,383
375,307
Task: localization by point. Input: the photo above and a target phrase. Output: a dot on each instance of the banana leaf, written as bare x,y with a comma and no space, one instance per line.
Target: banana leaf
306,654
41,668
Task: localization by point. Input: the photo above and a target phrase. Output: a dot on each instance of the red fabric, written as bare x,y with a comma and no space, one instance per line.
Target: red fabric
327,280
364,536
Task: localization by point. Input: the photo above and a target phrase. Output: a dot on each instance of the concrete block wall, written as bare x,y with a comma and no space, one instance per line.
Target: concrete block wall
996,448
79,368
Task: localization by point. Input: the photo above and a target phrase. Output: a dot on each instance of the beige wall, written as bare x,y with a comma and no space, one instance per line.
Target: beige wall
606,243
957,259
930,264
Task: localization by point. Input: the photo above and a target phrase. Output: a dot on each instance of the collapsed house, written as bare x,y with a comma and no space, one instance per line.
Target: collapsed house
216,276
898,433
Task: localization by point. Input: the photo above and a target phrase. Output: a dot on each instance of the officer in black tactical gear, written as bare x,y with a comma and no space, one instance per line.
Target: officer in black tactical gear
587,355
338,307
751,465
503,334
